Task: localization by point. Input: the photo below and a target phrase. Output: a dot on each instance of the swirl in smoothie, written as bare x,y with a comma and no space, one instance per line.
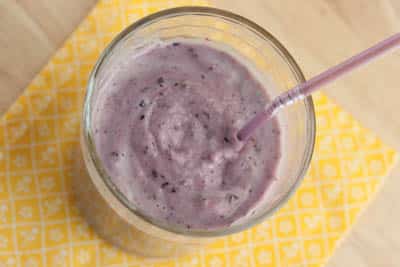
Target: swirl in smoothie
164,128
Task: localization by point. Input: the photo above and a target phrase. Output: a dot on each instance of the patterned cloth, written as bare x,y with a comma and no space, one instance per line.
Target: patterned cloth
40,225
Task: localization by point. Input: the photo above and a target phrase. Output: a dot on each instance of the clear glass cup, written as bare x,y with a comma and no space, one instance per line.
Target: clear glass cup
119,221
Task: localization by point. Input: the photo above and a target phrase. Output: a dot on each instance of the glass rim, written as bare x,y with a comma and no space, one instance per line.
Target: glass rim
260,32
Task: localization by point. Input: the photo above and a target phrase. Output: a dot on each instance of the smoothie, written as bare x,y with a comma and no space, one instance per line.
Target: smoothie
165,126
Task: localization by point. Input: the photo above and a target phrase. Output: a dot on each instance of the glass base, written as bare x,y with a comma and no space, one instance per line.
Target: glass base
109,225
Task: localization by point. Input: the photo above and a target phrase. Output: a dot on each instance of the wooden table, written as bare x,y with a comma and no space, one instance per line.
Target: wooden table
318,33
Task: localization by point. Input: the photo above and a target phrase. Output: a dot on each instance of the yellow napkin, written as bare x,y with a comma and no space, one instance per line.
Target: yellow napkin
39,223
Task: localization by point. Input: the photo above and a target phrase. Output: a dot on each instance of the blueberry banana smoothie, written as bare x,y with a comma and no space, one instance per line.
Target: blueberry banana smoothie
165,128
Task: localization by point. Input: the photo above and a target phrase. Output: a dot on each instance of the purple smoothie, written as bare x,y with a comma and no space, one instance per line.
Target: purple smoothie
164,128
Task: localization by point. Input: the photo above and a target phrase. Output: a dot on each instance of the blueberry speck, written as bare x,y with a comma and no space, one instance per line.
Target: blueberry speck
154,173
231,198
173,190
160,80
176,84
191,50
161,93
196,115
206,114
226,139
176,44
141,117
276,131
114,154
210,68
163,185
188,226
203,76
142,104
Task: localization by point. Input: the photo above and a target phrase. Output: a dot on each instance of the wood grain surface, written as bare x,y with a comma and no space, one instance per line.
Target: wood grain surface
319,33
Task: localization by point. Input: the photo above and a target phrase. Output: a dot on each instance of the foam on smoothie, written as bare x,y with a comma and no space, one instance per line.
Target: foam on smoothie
161,117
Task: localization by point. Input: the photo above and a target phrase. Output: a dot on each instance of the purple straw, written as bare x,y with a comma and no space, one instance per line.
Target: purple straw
304,89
